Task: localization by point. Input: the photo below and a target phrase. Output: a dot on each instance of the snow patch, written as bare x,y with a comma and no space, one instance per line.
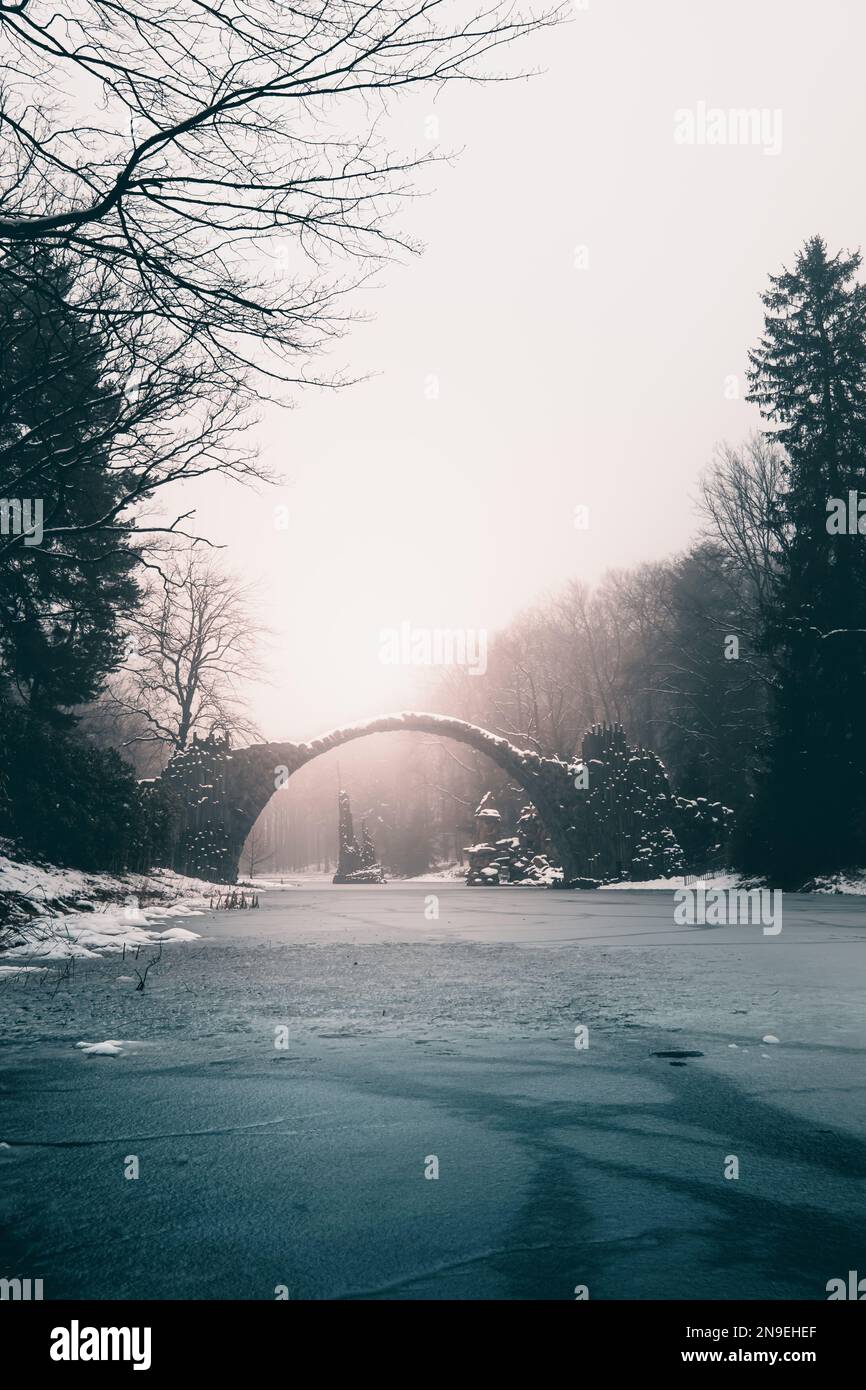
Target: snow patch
55,914
854,882
720,880
112,1047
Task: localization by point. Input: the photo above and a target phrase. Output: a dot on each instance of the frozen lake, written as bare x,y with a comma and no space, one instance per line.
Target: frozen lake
413,1037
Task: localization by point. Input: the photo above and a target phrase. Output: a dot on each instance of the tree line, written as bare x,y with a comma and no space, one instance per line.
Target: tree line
741,661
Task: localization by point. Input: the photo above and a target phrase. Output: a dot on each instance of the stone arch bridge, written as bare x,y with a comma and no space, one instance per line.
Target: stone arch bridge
213,794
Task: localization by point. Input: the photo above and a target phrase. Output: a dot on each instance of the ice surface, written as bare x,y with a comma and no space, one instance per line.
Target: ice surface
456,1037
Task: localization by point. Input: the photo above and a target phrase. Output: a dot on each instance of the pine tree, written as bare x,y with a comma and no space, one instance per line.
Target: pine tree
808,376
62,600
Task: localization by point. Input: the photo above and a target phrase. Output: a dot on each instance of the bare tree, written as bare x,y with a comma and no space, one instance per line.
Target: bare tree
79,390
741,498
168,147
258,853
194,645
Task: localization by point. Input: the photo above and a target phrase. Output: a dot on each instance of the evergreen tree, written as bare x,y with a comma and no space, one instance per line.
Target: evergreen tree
63,800
808,376
62,595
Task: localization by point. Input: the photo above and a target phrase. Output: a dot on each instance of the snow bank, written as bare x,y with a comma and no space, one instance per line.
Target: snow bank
91,934
53,913
447,872
678,881
854,882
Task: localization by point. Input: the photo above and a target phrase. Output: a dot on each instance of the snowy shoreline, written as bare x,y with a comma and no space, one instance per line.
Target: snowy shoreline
51,914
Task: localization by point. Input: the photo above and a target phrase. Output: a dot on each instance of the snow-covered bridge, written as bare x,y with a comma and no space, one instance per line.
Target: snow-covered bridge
216,793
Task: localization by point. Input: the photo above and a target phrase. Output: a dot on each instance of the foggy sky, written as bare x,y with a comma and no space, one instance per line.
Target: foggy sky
559,386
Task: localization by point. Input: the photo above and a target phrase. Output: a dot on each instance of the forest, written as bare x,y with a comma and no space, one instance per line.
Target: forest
741,662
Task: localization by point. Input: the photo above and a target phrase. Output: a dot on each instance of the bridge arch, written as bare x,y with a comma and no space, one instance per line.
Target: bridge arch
220,792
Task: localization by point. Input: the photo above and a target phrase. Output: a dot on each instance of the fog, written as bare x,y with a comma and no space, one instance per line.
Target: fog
585,301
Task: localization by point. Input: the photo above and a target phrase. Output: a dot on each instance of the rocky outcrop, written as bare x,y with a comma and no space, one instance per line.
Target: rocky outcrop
356,862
